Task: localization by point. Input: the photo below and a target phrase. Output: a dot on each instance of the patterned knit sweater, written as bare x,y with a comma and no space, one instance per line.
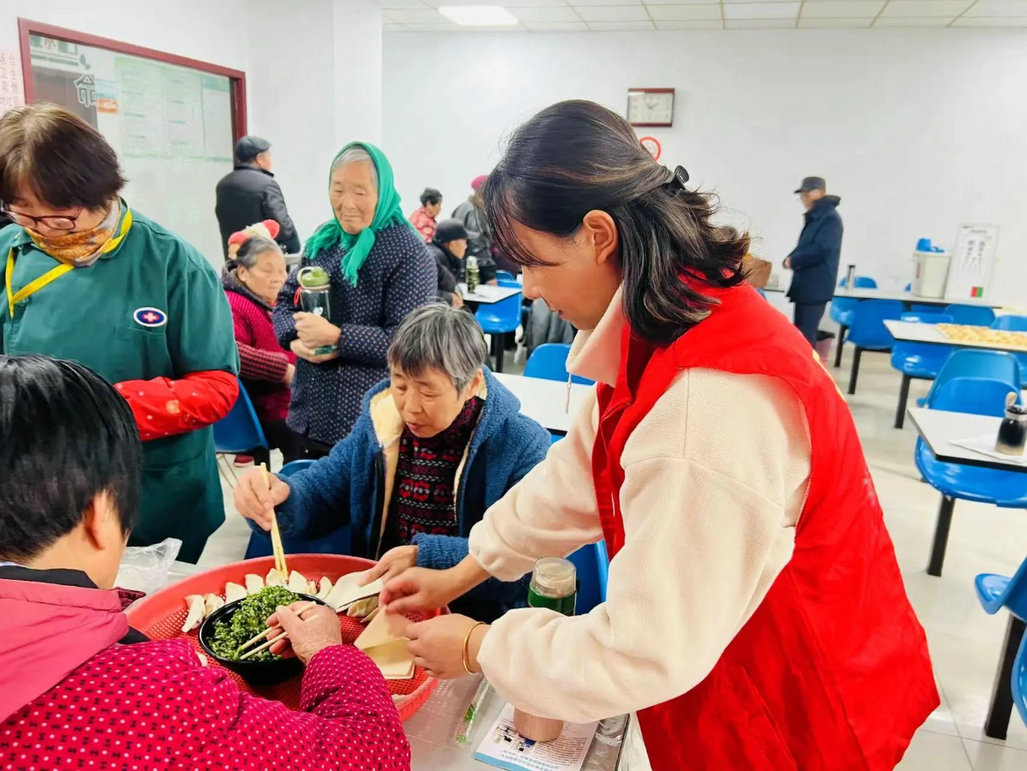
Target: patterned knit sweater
424,495
397,277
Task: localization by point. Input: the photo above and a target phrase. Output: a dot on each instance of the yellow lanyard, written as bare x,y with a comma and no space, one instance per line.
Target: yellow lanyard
54,273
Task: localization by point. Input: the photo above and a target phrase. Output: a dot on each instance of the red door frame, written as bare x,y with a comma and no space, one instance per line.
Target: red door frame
237,78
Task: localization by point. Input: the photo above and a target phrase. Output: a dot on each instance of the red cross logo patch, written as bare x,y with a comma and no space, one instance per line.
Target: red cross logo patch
150,317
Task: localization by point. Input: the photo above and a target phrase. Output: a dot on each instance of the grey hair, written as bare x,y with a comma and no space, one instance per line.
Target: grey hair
252,248
439,336
356,155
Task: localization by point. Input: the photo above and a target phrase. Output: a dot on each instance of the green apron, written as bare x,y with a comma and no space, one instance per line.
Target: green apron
99,316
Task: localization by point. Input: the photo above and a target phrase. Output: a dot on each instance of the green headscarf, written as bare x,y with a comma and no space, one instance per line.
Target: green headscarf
386,214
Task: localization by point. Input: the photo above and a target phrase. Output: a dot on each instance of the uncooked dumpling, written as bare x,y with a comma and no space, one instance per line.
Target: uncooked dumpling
254,583
234,591
212,602
362,608
196,612
297,582
324,587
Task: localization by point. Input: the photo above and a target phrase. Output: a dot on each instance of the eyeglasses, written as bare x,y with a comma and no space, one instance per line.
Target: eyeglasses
52,221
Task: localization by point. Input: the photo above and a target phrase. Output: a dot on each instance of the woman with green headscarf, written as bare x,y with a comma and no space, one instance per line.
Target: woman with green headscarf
378,270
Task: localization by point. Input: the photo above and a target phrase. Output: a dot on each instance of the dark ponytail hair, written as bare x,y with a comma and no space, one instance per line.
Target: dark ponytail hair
576,157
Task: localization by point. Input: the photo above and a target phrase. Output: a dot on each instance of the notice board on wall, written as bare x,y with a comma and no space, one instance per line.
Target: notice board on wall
172,121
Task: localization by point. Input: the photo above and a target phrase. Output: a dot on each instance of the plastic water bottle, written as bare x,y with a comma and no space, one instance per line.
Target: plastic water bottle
554,585
315,290
472,274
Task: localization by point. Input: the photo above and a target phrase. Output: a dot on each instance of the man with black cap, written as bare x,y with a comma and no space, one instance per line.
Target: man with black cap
815,258
250,194
449,248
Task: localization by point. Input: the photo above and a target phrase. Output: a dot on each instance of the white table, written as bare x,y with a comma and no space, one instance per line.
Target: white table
487,294
433,726
917,332
939,428
909,298
545,401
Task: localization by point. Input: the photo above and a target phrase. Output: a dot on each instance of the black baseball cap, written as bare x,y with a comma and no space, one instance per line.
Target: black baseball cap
812,183
452,230
249,147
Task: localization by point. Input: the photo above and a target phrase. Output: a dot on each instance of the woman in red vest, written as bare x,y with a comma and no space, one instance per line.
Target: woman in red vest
755,615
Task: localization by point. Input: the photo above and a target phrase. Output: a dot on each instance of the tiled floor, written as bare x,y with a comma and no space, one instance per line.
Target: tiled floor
965,642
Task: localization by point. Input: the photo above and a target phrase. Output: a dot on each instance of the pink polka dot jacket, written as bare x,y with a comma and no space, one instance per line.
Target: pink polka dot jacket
73,697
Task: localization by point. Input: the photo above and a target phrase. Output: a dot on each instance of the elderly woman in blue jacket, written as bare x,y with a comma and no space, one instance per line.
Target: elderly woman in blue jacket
435,445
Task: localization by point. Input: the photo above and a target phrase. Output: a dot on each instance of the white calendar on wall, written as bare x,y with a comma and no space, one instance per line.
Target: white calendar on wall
973,262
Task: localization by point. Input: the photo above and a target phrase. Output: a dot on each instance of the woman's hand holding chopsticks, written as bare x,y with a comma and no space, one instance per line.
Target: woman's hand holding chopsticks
256,496
307,636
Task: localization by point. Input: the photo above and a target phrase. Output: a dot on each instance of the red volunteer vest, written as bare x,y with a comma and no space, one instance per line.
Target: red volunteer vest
832,670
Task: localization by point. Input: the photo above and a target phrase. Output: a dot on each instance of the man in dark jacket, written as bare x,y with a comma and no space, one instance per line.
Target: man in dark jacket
250,194
449,248
815,259
472,214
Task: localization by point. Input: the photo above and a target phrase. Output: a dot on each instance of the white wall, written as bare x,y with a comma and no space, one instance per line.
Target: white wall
917,130
302,60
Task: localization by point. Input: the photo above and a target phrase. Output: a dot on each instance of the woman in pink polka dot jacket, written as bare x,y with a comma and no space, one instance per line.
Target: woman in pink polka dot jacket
80,689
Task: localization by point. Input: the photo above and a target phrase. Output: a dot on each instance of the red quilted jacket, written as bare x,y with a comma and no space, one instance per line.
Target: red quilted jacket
262,361
72,697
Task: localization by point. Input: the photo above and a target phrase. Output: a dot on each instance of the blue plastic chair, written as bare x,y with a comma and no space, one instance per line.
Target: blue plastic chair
868,332
505,275
593,568
974,315
1019,680
843,308
498,320
1014,323
238,432
994,593
336,542
1011,322
1006,489
977,363
549,362
927,310
917,361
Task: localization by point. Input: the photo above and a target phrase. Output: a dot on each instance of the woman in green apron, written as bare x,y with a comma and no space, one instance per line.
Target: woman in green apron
89,279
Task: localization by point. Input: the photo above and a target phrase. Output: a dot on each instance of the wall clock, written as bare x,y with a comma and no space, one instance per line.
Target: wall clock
651,106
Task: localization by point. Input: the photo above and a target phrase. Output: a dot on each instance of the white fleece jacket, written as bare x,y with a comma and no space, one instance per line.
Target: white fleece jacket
715,477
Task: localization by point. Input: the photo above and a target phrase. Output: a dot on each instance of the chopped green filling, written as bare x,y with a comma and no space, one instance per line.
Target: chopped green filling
249,619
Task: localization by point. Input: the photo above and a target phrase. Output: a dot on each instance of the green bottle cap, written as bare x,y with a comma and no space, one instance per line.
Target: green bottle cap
313,277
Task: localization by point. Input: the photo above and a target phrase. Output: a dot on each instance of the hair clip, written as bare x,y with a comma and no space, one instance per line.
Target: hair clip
680,177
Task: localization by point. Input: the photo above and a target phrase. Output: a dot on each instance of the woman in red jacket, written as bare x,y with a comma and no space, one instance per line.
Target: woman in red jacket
252,281
82,690
755,615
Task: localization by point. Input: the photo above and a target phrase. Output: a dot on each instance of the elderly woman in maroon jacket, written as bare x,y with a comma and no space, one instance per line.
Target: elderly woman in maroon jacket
252,281
80,689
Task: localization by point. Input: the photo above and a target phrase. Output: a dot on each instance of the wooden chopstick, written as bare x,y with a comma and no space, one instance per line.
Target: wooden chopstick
274,639
258,649
299,612
276,535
